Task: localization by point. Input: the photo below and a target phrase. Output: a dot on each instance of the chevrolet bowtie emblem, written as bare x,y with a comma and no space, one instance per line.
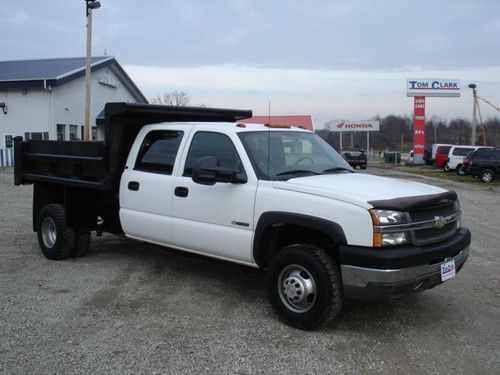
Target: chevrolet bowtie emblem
440,221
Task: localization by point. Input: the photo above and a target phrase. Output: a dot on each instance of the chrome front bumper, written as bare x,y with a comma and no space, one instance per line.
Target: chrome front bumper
360,277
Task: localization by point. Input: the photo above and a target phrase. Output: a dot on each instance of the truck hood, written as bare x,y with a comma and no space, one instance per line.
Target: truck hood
358,188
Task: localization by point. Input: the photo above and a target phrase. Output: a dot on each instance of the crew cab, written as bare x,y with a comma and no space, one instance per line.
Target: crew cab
271,197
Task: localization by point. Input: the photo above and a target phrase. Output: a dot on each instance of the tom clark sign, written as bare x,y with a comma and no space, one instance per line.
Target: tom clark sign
433,87
354,126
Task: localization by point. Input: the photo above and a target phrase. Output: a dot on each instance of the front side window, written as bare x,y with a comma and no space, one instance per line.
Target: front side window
158,151
212,144
279,155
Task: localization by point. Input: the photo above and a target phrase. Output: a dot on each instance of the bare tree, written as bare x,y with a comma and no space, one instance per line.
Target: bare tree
175,98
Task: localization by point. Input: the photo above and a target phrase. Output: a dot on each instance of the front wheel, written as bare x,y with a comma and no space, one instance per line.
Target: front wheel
304,286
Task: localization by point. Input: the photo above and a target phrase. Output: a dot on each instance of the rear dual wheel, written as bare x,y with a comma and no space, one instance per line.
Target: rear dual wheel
56,239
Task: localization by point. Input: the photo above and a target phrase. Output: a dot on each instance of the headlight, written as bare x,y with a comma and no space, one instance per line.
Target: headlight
381,218
395,239
387,217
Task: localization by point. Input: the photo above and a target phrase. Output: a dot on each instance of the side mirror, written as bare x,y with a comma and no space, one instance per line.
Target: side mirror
208,171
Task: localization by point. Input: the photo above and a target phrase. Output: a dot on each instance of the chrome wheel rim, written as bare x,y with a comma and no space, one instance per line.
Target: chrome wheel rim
297,288
49,232
487,176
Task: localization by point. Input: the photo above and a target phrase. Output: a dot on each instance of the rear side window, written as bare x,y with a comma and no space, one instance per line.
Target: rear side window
462,151
484,153
158,151
212,144
444,150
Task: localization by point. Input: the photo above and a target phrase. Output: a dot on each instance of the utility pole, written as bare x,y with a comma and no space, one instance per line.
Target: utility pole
474,114
90,6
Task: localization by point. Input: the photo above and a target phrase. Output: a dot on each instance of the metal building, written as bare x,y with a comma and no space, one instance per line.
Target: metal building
45,99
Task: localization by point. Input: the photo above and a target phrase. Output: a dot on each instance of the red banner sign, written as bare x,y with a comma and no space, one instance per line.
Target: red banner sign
419,125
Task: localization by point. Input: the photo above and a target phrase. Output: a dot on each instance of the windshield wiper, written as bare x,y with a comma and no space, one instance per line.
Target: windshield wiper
296,171
336,169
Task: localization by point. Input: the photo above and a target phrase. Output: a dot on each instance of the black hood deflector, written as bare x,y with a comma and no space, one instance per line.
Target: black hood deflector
416,202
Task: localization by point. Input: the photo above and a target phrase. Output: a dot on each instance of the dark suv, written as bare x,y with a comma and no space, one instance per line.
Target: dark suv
485,164
356,157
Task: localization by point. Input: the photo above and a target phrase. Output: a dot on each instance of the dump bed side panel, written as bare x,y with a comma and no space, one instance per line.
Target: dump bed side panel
72,163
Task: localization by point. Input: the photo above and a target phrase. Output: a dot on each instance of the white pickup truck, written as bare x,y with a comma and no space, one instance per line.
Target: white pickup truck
266,196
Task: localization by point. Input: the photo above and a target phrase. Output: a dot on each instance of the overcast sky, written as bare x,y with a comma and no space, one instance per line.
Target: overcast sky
331,59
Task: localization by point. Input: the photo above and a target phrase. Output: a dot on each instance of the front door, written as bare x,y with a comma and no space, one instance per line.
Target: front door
217,219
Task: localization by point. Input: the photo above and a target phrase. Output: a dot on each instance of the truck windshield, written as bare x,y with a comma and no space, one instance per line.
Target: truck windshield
280,155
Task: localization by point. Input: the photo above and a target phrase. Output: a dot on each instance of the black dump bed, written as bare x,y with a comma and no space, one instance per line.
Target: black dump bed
98,164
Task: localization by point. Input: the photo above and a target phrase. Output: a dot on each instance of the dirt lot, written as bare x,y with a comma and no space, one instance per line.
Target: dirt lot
132,307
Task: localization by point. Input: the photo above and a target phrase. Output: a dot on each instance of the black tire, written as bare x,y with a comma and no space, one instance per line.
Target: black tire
487,175
328,298
446,167
62,245
82,242
460,170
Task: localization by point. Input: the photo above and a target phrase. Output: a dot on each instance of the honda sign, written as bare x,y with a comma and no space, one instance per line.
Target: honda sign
354,126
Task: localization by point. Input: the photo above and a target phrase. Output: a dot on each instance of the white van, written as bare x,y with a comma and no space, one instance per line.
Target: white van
456,156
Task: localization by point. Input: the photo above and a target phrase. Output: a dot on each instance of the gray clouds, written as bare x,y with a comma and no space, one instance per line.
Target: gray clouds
448,34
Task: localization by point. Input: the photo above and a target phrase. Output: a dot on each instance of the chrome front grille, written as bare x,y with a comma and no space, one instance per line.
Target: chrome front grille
434,233
427,226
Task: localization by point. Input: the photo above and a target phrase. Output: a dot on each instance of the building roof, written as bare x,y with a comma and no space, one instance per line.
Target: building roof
303,121
45,73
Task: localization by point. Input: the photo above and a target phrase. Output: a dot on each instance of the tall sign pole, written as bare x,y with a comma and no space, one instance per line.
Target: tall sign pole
418,129
419,89
90,6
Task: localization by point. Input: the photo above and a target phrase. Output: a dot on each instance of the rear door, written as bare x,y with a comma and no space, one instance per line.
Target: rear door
457,155
146,187
215,220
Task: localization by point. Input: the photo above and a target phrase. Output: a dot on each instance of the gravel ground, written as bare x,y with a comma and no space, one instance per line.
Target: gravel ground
132,307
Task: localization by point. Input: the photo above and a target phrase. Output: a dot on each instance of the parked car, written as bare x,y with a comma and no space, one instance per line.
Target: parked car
441,156
434,149
485,164
456,156
356,157
271,197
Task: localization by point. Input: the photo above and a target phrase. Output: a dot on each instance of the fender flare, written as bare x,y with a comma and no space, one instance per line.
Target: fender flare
333,230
